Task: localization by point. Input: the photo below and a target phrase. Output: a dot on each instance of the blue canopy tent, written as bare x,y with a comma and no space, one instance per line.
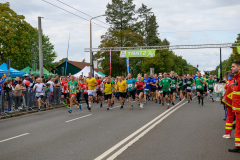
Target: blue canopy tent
12,72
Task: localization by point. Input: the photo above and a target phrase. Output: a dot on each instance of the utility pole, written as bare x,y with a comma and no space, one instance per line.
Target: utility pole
91,53
40,47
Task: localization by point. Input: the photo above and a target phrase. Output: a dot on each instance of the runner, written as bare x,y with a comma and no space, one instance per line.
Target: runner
85,91
160,92
65,94
189,83
98,89
39,87
199,85
147,87
131,89
108,89
173,88
72,87
165,83
154,87
112,99
210,84
151,86
180,84
92,83
122,87
140,85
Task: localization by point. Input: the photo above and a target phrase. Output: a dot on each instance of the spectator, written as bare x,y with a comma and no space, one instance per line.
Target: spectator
2,80
18,95
57,82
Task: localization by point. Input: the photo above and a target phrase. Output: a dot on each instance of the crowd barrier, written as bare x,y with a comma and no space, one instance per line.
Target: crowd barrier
25,100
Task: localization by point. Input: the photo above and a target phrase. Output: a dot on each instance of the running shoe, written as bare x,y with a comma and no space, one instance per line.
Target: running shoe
89,108
173,103
155,101
160,101
101,105
64,102
131,107
227,136
121,107
145,102
38,110
70,111
108,109
168,106
45,105
80,107
67,106
141,105
163,104
180,99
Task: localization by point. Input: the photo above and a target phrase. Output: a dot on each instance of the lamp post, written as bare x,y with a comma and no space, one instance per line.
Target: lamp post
91,53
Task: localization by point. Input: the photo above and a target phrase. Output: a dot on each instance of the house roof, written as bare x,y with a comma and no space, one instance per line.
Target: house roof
80,65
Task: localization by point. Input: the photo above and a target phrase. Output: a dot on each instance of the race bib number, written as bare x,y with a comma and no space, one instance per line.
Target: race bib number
178,87
169,89
173,85
130,85
210,86
199,86
160,91
38,94
85,90
72,87
146,89
189,88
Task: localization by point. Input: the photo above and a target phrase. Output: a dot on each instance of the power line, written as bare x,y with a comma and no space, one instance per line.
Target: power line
72,13
64,21
201,31
81,12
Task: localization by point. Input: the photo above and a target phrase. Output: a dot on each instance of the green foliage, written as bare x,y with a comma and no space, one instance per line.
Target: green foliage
19,41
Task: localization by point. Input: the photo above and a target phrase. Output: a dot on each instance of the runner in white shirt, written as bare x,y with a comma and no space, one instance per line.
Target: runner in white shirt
39,87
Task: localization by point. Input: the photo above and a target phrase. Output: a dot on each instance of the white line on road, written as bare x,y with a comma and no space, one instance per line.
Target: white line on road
14,137
142,134
134,134
78,118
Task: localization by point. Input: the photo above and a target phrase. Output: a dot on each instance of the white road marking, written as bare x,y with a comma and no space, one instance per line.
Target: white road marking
14,137
143,133
78,118
106,153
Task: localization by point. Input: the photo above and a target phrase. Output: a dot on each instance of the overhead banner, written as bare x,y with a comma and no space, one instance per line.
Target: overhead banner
138,53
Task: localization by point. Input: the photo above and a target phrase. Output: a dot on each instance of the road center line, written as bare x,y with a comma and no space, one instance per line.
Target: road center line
14,137
134,133
143,133
78,118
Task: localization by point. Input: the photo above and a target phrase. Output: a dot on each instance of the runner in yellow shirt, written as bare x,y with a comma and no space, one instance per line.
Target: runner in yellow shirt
92,83
108,87
122,88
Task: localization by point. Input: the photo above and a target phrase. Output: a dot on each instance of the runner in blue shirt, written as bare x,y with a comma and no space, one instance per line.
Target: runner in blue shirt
154,86
131,89
147,88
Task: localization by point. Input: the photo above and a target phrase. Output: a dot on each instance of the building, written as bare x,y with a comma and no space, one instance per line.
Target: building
73,67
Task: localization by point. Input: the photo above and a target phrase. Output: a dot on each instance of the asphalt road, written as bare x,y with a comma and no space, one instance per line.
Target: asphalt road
186,131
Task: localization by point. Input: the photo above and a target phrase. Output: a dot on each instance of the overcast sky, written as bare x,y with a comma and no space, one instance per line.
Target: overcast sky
173,16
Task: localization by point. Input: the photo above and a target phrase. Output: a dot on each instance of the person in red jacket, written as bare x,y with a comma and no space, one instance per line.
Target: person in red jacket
227,99
236,104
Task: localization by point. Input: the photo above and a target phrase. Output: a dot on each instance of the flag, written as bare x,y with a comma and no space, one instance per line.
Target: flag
238,49
67,56
127,61
219,72
110,61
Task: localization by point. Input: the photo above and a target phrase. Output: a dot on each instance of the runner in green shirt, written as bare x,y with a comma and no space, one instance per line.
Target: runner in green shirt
72,87
180,84
199,86
165,83
210,84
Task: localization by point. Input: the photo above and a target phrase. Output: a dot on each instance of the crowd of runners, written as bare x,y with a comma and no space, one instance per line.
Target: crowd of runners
161,88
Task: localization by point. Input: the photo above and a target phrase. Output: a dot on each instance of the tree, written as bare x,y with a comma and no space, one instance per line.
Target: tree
83,60
48,51
15,37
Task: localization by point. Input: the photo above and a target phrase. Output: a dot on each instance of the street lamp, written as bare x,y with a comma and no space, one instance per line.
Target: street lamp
91,53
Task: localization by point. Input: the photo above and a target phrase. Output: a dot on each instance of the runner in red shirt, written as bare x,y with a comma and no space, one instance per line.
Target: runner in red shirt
98,89
84,87
140,85
65,94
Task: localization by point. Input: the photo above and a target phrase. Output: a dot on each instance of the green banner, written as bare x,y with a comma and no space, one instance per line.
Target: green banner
238,49
138,53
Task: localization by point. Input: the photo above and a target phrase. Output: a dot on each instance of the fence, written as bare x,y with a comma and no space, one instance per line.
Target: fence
20,100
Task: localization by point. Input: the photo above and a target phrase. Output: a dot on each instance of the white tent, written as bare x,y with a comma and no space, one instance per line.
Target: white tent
85,72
